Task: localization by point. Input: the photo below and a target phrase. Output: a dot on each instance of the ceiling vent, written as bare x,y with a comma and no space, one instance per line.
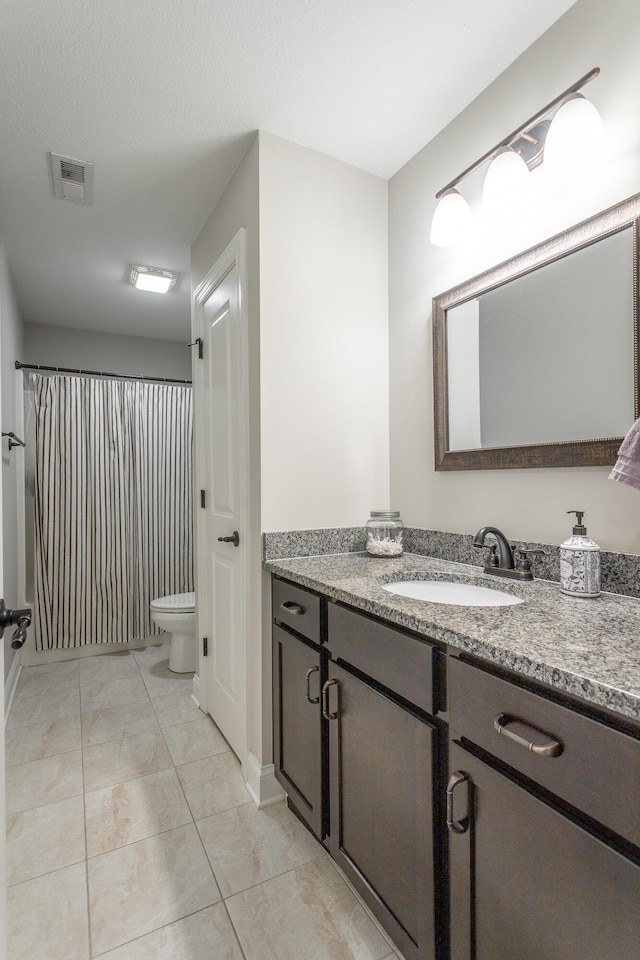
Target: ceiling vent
71,179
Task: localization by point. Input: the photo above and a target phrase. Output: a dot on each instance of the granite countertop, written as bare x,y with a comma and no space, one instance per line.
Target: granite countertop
586,647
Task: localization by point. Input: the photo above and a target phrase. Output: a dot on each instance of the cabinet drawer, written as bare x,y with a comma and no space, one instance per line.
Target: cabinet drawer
394,659
296,607
596,769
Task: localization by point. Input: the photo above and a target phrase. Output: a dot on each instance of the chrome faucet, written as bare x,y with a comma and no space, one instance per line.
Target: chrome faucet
504,565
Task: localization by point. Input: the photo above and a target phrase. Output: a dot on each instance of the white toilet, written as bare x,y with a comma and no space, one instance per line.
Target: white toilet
177,615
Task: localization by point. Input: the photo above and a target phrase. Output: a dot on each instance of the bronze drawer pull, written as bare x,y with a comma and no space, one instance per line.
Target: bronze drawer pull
553,748
325,700
293,608
456,826
311,699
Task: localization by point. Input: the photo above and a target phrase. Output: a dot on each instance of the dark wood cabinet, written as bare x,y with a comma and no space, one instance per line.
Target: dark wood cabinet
297,609
595,768
478,818
382,760
358,755
544,820
528,882
298,674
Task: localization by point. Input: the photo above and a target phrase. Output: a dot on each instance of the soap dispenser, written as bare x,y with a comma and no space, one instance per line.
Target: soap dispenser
579,562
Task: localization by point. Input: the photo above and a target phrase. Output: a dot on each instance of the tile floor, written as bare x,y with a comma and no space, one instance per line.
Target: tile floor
130,835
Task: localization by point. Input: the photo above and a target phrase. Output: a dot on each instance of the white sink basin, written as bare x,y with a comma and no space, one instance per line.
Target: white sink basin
458,594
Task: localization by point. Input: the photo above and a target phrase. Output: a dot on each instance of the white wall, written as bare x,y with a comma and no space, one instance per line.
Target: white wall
112,352
323,339
527,504
11,346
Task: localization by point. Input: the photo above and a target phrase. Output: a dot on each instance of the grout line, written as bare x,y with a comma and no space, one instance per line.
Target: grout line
84,818
208,860
129,736
233,927
37,806
49,756
276,876
184,794
176,765
235,806
47,873
138,776
131,843
149,933
21,697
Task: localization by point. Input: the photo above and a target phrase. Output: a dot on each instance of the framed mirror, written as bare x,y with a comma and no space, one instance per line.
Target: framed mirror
536,360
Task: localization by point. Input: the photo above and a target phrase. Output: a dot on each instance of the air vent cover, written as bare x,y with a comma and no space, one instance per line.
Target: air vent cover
71,179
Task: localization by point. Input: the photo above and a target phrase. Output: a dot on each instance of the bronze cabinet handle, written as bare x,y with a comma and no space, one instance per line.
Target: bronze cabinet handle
325,700
550,748
293,608
456,826
311,699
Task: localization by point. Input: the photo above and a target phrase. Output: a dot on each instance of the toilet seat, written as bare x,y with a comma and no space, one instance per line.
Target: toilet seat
175,603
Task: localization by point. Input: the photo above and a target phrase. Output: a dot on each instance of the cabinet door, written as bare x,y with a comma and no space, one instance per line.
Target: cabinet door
528,883
381,793
297,724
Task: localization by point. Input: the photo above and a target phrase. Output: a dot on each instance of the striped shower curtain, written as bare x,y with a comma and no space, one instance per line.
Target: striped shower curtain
113,507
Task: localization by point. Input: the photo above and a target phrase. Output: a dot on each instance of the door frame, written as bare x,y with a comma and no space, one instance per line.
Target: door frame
3,842
235,254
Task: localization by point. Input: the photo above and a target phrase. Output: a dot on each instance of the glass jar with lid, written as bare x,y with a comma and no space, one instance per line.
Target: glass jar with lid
384,531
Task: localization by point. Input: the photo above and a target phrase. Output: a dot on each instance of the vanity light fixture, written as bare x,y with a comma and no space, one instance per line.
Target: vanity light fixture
152,279
451,220
575,138
574,132
507,180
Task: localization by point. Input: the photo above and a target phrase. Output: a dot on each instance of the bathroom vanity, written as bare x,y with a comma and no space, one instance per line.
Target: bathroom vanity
473,771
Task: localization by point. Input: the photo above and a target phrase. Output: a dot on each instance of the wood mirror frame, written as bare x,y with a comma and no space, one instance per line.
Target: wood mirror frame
572,453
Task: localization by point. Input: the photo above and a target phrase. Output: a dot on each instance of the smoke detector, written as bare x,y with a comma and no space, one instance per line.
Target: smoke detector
71,179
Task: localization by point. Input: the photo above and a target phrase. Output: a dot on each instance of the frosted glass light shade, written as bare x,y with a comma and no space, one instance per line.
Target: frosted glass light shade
153,283
576,137
507,182
452,220
152,279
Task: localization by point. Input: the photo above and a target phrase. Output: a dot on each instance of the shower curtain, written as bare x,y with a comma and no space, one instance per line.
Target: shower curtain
113,506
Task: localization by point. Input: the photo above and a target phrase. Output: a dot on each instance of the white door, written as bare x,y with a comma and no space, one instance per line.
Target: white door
3,900
220,390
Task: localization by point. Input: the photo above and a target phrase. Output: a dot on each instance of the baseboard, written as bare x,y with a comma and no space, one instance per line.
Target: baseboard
33,658
261,784
11,685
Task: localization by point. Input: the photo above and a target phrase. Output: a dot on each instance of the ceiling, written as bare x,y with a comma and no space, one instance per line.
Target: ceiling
164,96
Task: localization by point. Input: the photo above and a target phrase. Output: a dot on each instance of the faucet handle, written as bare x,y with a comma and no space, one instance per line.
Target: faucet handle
491,559
524,553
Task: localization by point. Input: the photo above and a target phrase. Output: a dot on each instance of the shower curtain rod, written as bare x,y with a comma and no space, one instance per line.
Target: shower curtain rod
96,373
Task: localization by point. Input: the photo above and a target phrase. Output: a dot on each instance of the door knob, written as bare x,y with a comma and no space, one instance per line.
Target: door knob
19,618
234,539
